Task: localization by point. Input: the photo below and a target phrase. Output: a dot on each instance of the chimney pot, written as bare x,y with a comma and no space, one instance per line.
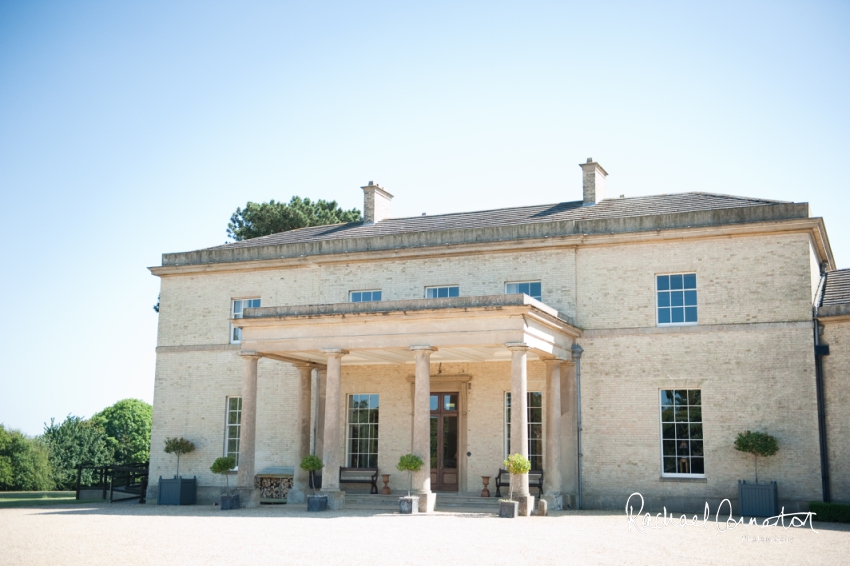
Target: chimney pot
593,182
376,203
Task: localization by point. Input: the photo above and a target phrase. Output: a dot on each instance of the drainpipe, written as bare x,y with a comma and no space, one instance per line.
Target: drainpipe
820,352
577,350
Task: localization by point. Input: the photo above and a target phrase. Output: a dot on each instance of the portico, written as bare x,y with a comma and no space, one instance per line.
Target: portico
377,339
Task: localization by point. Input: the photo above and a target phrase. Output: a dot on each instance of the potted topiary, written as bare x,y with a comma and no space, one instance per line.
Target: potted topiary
409,463
177,491
223,466
516,464
313,464
758,499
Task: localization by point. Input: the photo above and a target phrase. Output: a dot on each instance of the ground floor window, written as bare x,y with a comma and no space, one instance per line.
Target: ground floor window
681,433
362,428
234,424
535,428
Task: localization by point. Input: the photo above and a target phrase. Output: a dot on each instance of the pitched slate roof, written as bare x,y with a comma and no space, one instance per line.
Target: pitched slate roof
836,290
607,209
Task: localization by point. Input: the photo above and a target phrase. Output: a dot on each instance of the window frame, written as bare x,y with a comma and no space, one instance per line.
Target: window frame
530,282
507,427
349,424
679,475
657,291
227,425
449,292
371,294
233,300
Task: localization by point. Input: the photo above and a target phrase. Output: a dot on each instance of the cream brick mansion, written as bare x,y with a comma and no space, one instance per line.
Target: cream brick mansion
621,343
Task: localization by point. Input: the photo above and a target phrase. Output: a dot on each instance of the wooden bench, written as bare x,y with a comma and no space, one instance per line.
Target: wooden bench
535,479
360,475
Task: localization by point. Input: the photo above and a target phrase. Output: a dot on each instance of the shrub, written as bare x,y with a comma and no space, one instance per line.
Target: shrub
222,466
312,464
830,512
516,464
179,446
409,463
757,444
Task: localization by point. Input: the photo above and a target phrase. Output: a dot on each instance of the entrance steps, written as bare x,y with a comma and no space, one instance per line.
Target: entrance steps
445,502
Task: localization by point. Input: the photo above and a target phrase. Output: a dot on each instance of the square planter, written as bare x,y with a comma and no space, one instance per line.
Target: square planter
317,503
408,505
508,509
758,499
229,502
177,491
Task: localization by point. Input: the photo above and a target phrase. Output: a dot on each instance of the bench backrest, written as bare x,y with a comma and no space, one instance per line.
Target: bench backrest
359,473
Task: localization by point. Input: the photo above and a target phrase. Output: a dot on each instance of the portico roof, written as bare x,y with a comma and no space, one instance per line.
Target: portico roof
463,329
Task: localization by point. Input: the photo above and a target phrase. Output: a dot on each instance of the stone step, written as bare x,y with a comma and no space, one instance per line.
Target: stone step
443,500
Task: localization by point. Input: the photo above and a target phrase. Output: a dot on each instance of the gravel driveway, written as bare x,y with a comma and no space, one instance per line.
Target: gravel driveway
116,534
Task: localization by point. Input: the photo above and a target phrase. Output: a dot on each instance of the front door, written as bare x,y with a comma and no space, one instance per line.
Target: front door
444,441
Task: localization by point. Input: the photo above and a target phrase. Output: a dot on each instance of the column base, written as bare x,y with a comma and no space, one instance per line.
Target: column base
336,499
526,505
555,501
427,501
249,497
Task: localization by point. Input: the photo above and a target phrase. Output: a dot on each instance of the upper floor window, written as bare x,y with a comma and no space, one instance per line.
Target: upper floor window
442,292
239,306
531,288
681,433
677,298
365,296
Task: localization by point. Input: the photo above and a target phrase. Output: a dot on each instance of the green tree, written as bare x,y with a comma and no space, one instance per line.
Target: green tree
409,463
757,444
128,425
24,463
76,441
271,217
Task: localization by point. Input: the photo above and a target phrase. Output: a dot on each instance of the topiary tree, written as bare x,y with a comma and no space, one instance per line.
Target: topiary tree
757,444
516,464
178,446
312,464
410,463
222,466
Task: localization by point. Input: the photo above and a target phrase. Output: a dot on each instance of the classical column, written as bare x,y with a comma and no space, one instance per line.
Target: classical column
519,421
248,425
422,427
301,477
321,386
333,430
552,450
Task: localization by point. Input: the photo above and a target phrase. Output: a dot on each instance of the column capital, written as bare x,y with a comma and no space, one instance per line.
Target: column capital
516,346
250,354
334,352
423,348
553,361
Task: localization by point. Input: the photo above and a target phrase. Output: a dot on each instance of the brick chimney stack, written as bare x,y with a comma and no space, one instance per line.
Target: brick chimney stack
593,182
376,203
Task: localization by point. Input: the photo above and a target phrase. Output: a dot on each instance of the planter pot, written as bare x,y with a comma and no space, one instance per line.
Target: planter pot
229,502
758,499
177,491
508,509
408,505
317,503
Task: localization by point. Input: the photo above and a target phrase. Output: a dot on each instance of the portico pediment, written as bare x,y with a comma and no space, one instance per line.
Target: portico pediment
462,329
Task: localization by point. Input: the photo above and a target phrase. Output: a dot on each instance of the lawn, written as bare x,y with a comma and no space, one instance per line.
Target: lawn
32,498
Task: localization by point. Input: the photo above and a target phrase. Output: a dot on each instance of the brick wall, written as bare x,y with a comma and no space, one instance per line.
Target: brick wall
836,372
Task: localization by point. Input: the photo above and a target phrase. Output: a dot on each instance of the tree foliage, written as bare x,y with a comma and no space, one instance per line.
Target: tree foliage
409,463
757,444
76,441
262,219
24,462
178,446
128,425
223,466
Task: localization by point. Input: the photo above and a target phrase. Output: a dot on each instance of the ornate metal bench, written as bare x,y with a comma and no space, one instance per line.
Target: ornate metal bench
535,479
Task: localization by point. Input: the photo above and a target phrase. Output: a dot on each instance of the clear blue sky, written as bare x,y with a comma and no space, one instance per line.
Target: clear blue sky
132,129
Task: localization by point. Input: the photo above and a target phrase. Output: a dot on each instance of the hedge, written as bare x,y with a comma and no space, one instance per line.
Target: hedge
830,512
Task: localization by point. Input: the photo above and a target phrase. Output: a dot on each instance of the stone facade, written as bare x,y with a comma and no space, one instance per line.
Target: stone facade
836,372
751,355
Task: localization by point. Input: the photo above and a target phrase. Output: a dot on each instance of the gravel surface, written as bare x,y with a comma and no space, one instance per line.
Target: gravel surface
128,533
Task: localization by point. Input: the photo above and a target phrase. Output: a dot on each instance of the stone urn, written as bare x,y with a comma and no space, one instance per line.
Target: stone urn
486,481
317,503
386,489
508,509
408,505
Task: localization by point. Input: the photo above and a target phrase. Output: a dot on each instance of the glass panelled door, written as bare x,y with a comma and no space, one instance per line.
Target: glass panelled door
444,441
